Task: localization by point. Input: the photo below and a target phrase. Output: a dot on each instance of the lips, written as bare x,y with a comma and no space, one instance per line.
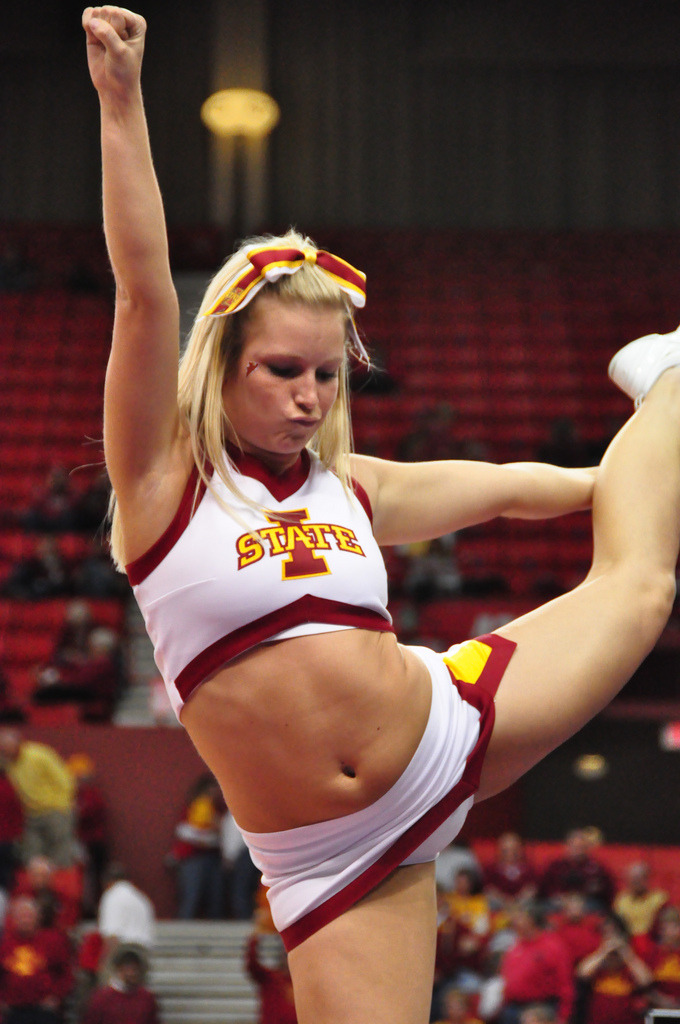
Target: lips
306,422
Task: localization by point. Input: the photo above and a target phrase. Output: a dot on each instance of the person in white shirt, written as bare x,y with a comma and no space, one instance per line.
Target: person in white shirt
126,918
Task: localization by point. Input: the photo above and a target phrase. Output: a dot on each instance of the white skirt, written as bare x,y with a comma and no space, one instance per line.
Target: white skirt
315,872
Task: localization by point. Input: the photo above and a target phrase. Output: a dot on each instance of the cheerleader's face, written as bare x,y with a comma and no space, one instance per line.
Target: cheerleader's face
287,378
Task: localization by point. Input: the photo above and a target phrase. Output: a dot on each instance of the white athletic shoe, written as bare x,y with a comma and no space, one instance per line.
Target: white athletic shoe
639,364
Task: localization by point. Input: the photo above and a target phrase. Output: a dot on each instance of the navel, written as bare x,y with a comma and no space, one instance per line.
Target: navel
348,771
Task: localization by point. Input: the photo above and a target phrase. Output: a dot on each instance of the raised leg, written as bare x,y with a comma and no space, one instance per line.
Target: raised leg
375,963
575,653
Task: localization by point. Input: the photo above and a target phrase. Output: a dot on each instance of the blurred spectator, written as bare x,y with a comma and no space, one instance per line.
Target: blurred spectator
510,876
196,852
124,1000
578,871
580,930
615,978
42,574
72,648
53,509
564,446
663,957
9,711
637,903
86,667
242,877
459,958
17,273
538,1013
11,830
92,828
57,892
536,969
91,505
457,1008
47,793
433,572
82,279
95,575
92,682
126,918
275,987
35,967
457,856
434,437
468,903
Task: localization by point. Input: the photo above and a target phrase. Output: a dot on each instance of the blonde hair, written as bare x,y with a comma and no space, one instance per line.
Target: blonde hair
211,356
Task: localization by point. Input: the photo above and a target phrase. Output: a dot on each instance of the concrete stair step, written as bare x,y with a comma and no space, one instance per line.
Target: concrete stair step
198,972
179,1007
198,989
201,1017
206,973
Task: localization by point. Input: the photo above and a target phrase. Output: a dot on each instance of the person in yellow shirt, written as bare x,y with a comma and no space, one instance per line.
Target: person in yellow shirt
638,904
46,789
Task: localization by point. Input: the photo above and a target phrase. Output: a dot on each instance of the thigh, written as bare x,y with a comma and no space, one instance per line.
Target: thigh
374,964
573,656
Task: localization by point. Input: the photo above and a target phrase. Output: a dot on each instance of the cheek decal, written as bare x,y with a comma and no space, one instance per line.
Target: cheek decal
250,367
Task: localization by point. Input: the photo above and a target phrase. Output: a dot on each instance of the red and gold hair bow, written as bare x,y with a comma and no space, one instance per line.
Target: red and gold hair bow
269,264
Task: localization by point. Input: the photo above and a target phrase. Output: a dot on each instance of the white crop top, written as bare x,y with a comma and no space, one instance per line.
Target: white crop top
209,590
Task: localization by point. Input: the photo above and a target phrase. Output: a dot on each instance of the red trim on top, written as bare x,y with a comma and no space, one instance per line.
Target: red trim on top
420,830
280,485
141,567
364,499
305,609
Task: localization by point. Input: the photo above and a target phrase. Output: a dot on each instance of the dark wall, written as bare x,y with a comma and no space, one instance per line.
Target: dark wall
635,802
49,117
485,114
493,113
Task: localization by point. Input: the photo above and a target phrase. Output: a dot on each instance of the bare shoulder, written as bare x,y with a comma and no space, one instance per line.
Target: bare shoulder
147,510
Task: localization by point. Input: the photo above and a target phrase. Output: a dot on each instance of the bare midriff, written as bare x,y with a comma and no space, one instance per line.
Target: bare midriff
312,728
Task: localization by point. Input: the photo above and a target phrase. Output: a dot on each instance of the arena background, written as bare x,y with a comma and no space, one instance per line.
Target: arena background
400,120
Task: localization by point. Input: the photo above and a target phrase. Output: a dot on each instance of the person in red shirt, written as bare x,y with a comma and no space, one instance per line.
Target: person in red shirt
277,1005
536,969
57,891
35,967
92,828
124,1000
616,977
578,871
580,930
197,855
510,876
663,958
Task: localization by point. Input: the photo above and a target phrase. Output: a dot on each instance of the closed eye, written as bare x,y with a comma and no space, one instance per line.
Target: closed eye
288,372
325,376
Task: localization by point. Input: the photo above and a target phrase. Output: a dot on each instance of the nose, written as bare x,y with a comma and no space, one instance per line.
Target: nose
306,392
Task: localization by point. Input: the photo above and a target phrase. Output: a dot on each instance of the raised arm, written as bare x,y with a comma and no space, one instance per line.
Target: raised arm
140,401
422,500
